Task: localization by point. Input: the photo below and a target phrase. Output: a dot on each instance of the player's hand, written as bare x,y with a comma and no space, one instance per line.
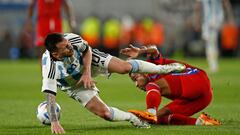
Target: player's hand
87,81
131,51
56,128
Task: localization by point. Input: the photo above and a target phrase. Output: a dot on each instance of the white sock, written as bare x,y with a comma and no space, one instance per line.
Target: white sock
118,115
152,111
139,66
198,122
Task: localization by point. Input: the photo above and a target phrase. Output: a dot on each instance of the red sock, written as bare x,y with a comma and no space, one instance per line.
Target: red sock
177,119
153,97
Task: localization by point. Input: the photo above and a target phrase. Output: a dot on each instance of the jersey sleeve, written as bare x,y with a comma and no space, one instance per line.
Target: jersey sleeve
49,82
77,42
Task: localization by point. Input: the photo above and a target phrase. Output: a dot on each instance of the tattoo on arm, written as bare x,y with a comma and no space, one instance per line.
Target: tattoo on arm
51,107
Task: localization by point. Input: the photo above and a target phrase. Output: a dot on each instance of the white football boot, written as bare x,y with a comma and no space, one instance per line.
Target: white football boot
172,68
135,121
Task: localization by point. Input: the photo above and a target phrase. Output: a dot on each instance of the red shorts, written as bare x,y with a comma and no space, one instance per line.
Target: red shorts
196,93
46,26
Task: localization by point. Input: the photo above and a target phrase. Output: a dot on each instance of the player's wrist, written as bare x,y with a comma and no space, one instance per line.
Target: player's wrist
55,122
143,50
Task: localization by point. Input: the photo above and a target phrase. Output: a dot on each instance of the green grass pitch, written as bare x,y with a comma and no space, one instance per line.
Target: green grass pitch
20,94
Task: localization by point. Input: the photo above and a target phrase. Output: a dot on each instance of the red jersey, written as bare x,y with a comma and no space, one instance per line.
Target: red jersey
48,19
178,82
49,8
191,90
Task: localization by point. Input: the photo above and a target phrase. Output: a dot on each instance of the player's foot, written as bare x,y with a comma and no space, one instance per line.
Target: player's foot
205,119
138,122
144,115
173,68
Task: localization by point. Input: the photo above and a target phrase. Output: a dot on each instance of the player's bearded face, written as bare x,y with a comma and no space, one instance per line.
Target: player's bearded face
65,49
140,80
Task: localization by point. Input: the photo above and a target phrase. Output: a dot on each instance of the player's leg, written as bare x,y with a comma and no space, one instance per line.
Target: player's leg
92,102
212,50
197,95
139,66
153,100
166,117
179,111
116,65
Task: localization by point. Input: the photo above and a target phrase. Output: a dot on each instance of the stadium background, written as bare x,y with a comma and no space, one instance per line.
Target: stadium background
175,17
21,82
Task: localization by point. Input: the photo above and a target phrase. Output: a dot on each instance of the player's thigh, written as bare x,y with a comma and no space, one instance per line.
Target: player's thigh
195,85
188,107
90,99
111,63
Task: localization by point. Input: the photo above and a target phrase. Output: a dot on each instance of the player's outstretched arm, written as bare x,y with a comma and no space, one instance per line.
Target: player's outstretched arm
86,78
133,52
56,127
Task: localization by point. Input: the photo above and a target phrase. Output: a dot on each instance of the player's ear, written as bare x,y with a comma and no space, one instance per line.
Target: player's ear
55,54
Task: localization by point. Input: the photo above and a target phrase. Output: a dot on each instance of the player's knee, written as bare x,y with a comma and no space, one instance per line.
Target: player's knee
125,68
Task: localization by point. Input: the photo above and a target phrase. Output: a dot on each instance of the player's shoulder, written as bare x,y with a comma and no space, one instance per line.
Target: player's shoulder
75,39
46,58
70,36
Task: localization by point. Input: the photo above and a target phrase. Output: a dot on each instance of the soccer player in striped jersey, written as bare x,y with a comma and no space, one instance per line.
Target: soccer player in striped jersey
189,90
212,13
69,64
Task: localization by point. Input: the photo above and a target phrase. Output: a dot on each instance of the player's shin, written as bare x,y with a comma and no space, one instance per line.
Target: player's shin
153,99
118,115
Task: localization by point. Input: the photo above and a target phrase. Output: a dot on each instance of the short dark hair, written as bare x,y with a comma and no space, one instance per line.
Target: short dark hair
52,40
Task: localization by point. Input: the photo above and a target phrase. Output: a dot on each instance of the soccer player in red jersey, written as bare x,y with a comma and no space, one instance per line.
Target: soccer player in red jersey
190,91
49,19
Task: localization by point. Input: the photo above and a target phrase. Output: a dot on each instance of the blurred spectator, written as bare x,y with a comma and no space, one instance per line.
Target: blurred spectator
138,36
157,34
6,44
111,36
91,30
194,45
149,31
229,39
213,17
49,19
26,42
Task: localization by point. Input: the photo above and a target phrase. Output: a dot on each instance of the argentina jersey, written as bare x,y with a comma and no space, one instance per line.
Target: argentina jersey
67,72
213,12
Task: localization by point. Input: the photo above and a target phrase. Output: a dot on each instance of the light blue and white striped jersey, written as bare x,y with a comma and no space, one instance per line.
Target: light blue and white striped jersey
67,72
213,12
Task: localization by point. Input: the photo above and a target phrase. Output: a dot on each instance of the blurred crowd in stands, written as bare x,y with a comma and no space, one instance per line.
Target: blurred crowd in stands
113,33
